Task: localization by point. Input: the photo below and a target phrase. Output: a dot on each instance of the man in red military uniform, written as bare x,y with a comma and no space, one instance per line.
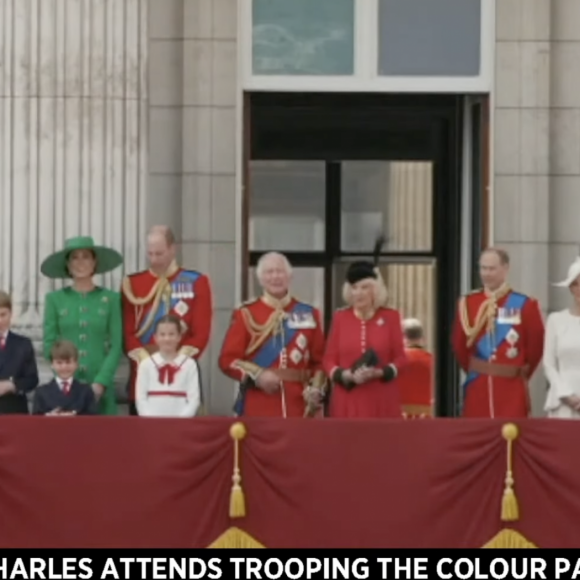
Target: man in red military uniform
498,340
164,288
416,377
274,348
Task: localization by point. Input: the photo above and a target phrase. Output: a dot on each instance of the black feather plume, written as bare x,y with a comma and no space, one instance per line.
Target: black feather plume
379,243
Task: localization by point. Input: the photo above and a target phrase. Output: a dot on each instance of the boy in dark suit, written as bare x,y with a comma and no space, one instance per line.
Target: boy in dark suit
64,395
18,369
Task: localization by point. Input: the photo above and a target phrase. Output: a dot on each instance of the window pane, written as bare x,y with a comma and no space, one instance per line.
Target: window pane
302,37
287,206
411,288
429,37
307,285
390,197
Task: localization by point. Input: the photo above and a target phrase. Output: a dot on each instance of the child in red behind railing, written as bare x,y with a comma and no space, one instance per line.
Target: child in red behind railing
168,383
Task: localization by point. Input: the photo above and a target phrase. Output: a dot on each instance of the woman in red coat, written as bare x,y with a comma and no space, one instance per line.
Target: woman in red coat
366,325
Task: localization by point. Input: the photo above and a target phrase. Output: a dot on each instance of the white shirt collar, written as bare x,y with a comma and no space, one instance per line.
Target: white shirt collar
160,361
60,382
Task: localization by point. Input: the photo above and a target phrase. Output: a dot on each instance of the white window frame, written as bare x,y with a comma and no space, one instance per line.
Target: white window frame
365,77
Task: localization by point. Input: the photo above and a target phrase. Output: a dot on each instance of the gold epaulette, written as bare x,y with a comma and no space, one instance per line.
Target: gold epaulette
248,302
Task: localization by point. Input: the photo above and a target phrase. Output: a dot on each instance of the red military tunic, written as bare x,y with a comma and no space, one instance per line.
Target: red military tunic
499,343
416,383
147,297
284,336
348,339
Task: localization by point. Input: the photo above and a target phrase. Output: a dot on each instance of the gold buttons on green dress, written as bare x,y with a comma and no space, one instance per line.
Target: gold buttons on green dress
93,322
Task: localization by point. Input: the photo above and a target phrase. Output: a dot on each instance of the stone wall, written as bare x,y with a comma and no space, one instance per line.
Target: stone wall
192,183
537,147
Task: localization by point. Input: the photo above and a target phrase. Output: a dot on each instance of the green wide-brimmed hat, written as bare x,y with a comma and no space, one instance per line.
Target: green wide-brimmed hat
55,266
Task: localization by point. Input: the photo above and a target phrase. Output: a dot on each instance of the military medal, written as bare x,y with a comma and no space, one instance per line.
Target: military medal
302,341
181,308
512,338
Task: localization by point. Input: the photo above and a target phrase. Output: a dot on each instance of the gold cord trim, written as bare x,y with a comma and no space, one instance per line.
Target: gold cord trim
161,290
237,499
509,504
485,316
260,332
249,368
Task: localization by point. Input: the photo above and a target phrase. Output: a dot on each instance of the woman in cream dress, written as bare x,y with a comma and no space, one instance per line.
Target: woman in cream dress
562,353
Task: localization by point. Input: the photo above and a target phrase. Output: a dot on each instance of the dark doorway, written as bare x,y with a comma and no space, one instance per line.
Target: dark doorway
325,173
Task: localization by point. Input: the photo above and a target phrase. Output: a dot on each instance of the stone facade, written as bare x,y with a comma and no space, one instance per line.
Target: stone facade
536,150
192,169
106,138
73,139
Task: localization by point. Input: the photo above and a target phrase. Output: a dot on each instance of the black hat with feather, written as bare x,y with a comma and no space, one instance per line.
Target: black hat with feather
362,270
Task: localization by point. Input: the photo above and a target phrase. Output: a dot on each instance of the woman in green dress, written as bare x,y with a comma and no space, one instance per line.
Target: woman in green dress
87,315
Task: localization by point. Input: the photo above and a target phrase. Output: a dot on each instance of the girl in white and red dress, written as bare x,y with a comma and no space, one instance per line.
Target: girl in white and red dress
365,392
168,382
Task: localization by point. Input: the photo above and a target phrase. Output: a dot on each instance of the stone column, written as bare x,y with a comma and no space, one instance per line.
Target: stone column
521,153
73,140
565,145
209,225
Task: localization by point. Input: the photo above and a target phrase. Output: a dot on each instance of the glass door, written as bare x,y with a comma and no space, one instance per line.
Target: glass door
327,173
395,199
287,213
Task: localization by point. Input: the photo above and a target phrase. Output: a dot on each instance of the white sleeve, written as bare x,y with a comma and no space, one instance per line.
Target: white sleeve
192,387
558,387
142,386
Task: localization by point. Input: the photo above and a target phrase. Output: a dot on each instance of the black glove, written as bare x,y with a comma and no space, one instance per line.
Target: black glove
368,359
389,373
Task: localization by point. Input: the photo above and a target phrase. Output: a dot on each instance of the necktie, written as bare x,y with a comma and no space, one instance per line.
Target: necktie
2,342
66,387
167,373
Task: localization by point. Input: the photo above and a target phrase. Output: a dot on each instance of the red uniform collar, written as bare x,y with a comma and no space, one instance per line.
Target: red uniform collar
275,303
171,271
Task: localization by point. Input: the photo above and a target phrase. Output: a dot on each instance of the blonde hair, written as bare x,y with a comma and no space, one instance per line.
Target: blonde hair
380,293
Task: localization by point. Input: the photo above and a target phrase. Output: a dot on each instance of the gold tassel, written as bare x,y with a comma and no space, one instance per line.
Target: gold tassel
234,538
509,503
509,539
237,499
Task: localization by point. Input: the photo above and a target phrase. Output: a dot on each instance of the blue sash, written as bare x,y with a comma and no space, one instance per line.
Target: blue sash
182,288
270,350
486,346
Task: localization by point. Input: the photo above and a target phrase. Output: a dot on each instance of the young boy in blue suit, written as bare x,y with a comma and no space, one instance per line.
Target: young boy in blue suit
18,370
64,395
